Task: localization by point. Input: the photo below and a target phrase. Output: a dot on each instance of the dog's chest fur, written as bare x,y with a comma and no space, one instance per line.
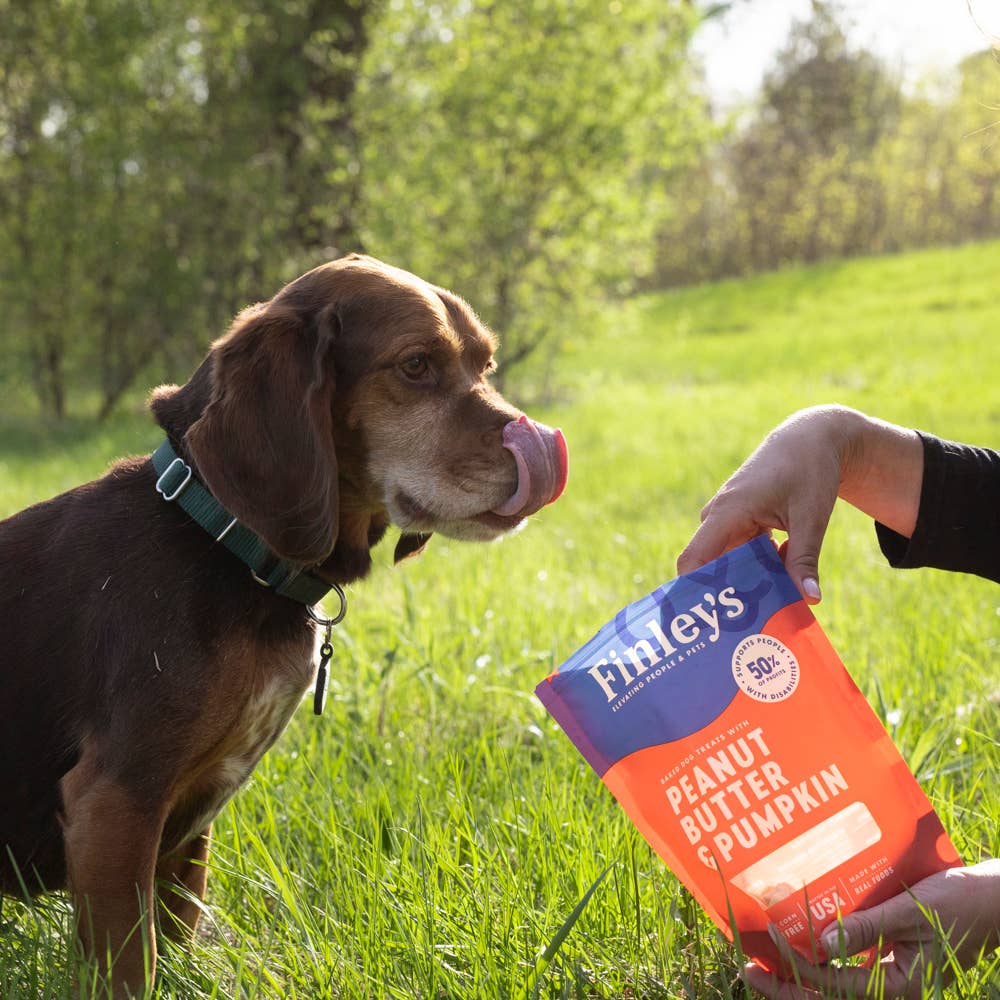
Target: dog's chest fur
258,722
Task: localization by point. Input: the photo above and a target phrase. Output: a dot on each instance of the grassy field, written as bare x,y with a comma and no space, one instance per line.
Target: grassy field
428,836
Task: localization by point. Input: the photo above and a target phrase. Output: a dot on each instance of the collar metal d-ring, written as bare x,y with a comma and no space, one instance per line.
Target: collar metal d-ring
338,617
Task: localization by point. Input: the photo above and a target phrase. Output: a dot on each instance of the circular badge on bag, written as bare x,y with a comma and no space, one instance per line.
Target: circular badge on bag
765,668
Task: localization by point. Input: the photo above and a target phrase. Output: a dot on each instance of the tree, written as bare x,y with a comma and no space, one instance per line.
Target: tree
522,154
825,107
162,164
796,181
822,94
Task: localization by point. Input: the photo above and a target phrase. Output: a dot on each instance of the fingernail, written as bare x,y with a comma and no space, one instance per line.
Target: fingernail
811,588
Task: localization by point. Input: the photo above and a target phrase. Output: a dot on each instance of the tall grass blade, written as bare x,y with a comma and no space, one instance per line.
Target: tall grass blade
543,961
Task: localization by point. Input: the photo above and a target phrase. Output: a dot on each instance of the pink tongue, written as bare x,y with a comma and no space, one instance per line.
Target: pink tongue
542,466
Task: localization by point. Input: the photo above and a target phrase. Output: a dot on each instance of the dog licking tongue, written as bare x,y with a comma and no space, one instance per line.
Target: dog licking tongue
542,466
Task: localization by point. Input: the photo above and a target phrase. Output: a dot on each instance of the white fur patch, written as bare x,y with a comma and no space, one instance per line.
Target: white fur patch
264,717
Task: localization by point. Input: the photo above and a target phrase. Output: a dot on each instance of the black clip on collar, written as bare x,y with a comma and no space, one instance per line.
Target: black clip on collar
325,650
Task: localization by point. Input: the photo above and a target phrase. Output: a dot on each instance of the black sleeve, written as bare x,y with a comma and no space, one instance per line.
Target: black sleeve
958,524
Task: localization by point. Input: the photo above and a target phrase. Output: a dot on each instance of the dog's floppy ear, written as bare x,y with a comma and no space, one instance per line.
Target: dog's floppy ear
410,544
264,443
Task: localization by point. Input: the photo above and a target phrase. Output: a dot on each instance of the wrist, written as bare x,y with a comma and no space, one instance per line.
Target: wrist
841,433
852,432
882,467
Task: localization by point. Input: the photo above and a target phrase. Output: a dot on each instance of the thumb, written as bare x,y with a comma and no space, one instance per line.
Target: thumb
855,933
866,929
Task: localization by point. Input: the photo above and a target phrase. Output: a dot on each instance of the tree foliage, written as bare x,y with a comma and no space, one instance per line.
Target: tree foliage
837,159
523,153
165,162
161,165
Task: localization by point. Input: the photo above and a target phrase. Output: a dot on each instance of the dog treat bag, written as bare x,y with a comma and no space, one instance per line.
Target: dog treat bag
719,715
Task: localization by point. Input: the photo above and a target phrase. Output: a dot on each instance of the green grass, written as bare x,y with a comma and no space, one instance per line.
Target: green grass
431,834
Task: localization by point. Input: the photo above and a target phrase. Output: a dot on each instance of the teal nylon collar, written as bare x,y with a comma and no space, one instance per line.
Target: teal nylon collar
178,484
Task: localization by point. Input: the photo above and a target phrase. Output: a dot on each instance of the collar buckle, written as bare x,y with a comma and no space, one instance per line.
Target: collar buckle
177,467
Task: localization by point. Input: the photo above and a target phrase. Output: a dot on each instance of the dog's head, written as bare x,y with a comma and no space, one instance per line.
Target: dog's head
360,395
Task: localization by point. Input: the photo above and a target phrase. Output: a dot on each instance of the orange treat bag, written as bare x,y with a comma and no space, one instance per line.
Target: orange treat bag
719,715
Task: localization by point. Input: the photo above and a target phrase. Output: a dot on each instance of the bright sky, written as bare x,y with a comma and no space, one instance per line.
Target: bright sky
913,36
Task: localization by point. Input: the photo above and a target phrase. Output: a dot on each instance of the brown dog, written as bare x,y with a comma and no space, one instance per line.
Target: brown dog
153,651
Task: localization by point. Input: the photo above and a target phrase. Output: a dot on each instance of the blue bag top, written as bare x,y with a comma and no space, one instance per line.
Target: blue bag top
661,669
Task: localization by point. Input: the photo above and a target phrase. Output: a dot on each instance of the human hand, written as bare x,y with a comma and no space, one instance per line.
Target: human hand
792,481
960,906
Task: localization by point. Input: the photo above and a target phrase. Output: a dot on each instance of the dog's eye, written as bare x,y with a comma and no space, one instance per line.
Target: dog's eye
415,368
